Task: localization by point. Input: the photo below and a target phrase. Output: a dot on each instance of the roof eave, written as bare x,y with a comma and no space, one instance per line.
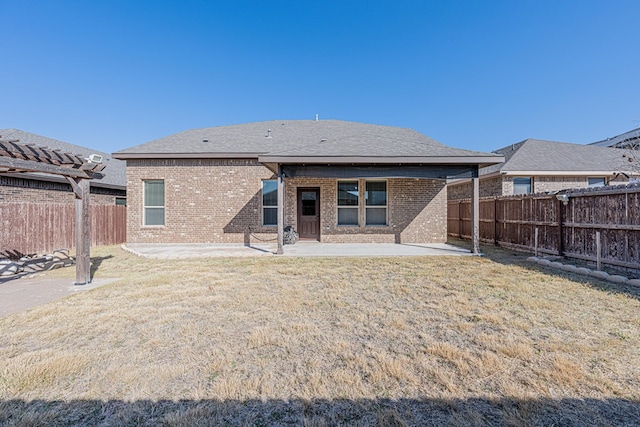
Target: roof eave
559,173
451,160
199,155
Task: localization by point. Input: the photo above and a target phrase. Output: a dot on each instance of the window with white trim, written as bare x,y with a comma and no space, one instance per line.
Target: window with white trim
597,182
154,202
522,185
376,203
270,202
348,202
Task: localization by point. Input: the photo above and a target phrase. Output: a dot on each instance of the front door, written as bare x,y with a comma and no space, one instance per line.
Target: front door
309,213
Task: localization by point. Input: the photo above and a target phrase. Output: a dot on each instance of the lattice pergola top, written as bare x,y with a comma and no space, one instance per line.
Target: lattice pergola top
16,157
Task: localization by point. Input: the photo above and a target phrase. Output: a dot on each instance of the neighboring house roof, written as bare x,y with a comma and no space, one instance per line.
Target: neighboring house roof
114,173
630,140
307,140
536,157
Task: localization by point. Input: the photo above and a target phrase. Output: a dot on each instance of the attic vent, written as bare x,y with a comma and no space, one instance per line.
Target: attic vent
323,140
205,140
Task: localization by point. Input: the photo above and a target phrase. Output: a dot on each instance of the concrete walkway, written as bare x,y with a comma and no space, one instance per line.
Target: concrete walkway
22,293
300,249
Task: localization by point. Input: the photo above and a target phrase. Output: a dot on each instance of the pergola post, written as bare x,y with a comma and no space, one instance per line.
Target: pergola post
475,214
83,232
280,250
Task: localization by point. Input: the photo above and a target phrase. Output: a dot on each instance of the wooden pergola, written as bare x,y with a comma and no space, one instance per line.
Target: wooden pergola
77,170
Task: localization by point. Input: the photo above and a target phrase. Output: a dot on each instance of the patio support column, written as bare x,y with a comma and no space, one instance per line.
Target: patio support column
280,250
475,214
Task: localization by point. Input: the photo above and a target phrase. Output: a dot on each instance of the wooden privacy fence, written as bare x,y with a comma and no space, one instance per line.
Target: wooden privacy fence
27,228
601,224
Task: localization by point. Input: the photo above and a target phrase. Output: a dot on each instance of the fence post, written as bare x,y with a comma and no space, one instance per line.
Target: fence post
598,251
460,219
535,244
495,221
560,236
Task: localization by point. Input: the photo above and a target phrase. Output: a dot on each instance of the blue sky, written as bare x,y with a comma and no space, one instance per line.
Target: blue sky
471,74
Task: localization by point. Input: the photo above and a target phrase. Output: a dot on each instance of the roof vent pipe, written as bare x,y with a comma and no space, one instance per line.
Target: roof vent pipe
316,117
268,133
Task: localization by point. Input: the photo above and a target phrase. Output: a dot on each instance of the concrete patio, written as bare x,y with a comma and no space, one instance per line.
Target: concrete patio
300,249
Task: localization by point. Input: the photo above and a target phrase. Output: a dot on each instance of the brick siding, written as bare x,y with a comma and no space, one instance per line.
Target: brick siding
220,201
206,200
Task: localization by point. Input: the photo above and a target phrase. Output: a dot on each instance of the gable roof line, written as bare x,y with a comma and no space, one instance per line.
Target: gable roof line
307,139
552,156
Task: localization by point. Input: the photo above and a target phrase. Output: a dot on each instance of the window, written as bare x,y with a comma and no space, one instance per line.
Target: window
597,182
376,202
154,202
521,185
270,202
121,201
348,202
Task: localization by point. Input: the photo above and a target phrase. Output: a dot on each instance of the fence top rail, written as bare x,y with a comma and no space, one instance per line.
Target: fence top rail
600,191
571,192
539,196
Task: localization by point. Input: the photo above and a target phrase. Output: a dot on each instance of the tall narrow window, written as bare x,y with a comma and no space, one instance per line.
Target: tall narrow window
347,202
154,202
376,201
521,185
270,202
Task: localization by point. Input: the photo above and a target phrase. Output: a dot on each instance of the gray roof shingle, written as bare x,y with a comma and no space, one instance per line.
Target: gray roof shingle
630,140
302,138
551,156
114,173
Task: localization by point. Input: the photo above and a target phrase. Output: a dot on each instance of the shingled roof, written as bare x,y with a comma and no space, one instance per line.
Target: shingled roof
288,140
535,155
628,140
114,173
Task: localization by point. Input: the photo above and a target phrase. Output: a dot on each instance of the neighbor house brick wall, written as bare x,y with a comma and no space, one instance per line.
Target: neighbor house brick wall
416,211
21,190
543,184
503,185
206,200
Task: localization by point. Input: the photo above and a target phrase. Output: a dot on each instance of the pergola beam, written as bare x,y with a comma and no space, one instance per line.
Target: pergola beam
36,166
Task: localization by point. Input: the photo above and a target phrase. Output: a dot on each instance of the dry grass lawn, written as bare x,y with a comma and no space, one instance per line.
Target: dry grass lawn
291,341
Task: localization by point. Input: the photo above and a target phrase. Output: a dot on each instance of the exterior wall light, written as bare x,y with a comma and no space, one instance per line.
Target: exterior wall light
95,158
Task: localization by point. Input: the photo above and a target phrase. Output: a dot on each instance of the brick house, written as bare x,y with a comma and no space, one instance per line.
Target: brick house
43,188
537,166
333,181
